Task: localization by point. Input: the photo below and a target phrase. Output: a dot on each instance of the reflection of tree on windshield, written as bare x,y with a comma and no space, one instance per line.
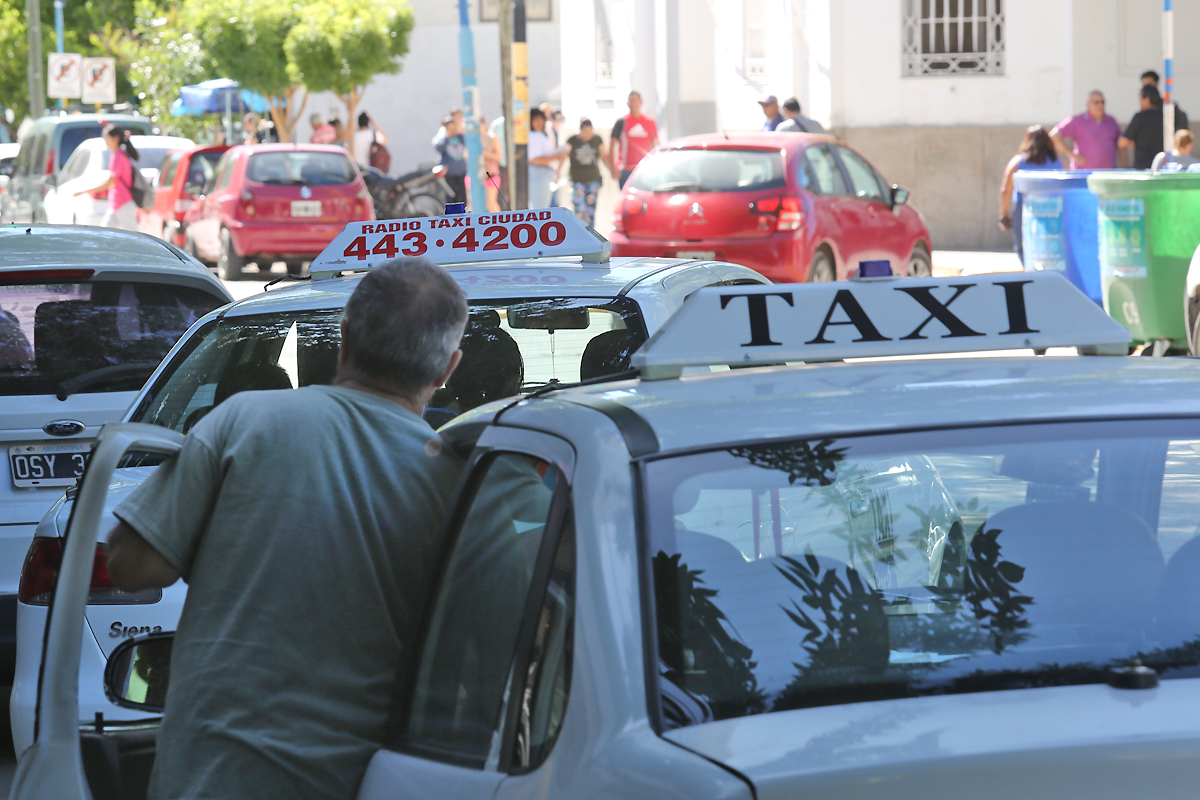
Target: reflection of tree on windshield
801,462
699,654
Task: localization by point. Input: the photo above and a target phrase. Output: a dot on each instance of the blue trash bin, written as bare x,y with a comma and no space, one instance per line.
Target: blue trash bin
1058,226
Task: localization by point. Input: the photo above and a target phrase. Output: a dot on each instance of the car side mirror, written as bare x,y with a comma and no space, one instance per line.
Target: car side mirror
139,670
899,195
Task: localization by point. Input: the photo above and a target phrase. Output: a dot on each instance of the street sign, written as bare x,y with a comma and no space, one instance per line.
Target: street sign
64,75
99,80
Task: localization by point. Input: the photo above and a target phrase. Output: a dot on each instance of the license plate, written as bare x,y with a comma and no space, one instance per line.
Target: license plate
306,208
698,255
48,464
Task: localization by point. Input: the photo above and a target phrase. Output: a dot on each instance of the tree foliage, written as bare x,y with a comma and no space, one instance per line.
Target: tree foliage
164,55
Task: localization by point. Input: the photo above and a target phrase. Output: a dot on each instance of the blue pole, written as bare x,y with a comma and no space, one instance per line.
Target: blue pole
58,37
466,58
1168,76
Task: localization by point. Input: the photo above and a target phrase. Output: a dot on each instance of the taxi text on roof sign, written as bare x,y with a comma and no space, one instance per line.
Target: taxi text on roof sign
462,238
748,325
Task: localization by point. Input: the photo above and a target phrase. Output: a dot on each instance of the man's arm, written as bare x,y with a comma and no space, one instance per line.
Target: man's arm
1064,152
134,564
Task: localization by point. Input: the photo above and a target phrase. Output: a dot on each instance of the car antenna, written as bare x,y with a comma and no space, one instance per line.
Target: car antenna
499,193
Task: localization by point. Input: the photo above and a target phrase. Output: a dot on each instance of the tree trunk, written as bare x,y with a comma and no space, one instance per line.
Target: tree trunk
281,112
351,103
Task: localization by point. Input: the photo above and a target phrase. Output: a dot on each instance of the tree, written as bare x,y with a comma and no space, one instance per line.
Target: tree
14,86
246,40
340,47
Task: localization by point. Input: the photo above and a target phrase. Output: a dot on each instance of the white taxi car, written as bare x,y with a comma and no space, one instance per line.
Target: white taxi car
86,314
532,323
921,578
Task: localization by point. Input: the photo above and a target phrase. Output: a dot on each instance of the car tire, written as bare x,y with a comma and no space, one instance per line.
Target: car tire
230,266
821,270
919,264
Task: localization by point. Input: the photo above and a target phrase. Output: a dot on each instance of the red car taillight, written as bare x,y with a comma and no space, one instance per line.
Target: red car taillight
247,203
362,201
41,571
50,163
630,207
787,210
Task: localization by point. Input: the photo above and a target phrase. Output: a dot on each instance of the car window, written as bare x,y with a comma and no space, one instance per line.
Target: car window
862,176
709,171
508,348
166,175
151,157
201,168
71,136
808,573
467,655
37,165
825,171
225,172
76,165
51,333
299,167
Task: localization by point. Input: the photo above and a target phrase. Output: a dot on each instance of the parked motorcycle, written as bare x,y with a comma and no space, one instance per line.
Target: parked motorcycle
421,193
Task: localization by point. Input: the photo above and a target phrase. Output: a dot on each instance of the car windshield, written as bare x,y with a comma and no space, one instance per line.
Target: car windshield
808,573
509,347
201,167
74,334
74,135
710,171
293,168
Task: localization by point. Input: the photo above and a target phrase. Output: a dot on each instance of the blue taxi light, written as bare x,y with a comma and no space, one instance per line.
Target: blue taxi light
875,269
453,209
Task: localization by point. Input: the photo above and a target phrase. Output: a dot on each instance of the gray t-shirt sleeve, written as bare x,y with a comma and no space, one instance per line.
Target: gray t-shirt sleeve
171,509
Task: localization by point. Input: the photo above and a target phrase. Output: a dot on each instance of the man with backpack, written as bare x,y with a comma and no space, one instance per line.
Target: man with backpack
369,141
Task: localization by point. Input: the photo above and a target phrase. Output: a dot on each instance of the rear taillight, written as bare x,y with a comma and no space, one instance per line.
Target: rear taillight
50,163
41,570
789,214
630,207
362,201
247,203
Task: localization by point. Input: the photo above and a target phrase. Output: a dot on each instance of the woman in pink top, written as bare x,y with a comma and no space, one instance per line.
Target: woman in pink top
122,211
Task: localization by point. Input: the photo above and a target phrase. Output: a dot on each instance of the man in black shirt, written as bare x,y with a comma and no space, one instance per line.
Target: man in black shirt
1145,131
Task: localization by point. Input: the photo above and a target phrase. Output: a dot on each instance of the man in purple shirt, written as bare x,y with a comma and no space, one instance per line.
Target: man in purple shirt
1095,137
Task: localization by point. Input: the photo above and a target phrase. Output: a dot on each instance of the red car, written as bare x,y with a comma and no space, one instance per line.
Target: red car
795,207
275,202
181,179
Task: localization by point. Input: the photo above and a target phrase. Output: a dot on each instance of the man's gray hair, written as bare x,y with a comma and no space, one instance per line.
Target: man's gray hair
402,325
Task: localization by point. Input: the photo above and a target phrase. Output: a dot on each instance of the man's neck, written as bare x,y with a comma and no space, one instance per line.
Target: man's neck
415,405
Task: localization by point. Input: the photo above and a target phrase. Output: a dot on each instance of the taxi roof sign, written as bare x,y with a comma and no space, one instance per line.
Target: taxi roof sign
749,325
462,238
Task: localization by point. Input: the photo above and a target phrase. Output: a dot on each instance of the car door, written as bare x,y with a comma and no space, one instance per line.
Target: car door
158,221
207,228
877,231
496,649
829,189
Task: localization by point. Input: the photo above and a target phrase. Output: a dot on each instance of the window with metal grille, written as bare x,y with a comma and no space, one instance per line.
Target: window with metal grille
953,37
754,38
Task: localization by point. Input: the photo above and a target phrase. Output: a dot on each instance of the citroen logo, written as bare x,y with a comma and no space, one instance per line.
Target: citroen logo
696,210
63,427
305,192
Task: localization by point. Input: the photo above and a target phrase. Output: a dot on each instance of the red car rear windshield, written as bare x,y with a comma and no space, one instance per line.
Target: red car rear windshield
299,167
710,171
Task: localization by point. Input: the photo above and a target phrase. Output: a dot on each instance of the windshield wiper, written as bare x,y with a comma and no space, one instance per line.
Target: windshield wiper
679,186
105,375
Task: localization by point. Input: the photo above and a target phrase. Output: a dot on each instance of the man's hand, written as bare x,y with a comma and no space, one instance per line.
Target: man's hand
1123,142
134,564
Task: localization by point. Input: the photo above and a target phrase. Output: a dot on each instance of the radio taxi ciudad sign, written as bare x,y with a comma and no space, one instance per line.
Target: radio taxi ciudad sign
463,238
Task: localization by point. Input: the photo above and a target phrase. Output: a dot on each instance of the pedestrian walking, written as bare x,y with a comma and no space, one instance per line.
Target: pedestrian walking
323,132
250,131
122,210
1144,133
1037,153
770,109
365,138
632,138
795,122
451,145
259,705
1093,134
1180,156
341,135
544,158
585,149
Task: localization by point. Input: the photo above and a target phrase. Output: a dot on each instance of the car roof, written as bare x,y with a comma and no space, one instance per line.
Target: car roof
82,246
712,410
154,140
89,119
274,147
611,279
734,141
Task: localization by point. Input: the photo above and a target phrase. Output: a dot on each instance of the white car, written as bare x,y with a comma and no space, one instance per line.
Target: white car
924,578
532,323
88,167
86,314
8,162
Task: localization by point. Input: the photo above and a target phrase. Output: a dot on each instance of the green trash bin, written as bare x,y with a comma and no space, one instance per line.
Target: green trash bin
1149,227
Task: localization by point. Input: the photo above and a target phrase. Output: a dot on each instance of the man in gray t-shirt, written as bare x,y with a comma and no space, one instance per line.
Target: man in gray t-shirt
305,523
795,122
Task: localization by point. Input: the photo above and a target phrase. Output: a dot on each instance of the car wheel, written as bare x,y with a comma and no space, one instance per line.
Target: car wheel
425,206
230,264
919,264
821,269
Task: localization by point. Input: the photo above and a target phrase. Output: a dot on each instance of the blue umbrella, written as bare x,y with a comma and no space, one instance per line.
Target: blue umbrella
210,97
